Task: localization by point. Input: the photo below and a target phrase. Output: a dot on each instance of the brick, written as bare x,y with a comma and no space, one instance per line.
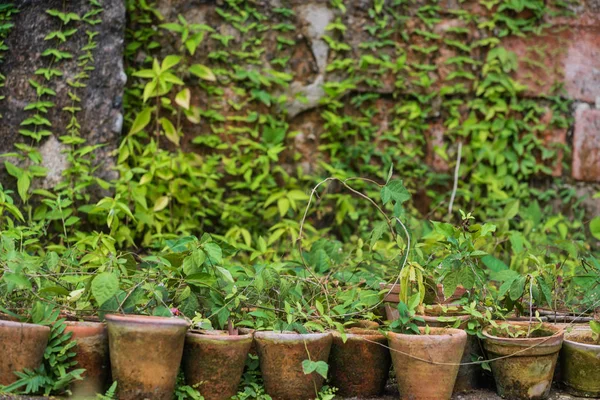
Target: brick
586,146
560,55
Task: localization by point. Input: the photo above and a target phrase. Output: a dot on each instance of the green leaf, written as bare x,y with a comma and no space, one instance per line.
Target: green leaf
104,286
595,327
320,367
394,190
202,72
214,252
494,264
23,184
517,289
595,227
378,230
161,203
141,120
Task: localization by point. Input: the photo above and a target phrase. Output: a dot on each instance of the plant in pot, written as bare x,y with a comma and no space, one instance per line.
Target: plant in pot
213,360
580,361
425,359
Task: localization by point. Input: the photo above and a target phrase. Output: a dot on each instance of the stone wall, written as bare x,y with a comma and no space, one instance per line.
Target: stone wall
566,53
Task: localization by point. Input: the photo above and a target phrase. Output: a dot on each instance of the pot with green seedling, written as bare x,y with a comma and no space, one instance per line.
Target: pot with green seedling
523,357
426,360
580,361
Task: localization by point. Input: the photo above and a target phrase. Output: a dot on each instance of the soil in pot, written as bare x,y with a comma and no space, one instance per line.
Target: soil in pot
281,355
92,354
470,376
21,346
359,367
214,361
580,364
145,353
412,357
528,372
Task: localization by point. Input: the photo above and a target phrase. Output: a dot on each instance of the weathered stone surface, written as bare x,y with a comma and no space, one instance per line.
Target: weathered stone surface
100,116
586,145
560,55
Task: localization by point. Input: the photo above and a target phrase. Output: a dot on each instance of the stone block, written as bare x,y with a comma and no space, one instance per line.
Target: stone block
586,145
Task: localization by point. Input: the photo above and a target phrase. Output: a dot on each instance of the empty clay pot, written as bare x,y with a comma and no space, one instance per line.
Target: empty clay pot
359,367
580,364
281,355
214,360
419,379
145,353
528,373
21,346
92,354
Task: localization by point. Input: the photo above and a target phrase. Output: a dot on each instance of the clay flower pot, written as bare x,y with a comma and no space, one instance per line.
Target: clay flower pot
281,355
580,364
419,379
145,353
359,367
527,374
21,346
215,360
92,354
470,376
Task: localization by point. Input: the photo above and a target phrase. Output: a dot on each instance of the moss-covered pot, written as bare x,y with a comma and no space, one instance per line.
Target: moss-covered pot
92,355
214,360
360,366
470,376
528,372
281,355
427,365
145,353
580,364
21,346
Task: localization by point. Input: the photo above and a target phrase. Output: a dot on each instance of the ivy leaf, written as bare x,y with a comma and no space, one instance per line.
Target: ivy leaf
161,203
394,190
595,227
320,367
378,230
202,72
104,286
141,120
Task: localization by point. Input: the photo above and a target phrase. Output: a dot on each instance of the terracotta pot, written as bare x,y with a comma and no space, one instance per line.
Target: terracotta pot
92,354
564,316
214,360
470,376
363,324
281,355
527,374
21,346
145,353
580,364
392,298
418,379
359,367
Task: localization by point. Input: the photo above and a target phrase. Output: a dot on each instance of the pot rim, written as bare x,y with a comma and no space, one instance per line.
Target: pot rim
574,343
290,336
448,332
197,334
558,333
145,319
15,324
87,324
359,333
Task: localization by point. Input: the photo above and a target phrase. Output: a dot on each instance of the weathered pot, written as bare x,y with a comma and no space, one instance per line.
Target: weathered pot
392,298
214,360
418,379
359,367
580,364
21,346
470,376
145,353
93,355
527,374
281,355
